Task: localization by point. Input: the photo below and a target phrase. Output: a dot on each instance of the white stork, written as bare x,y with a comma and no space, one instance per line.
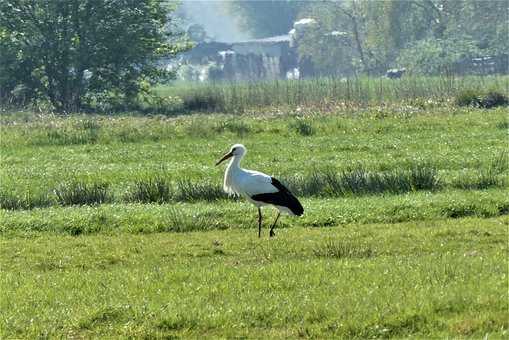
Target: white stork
258,188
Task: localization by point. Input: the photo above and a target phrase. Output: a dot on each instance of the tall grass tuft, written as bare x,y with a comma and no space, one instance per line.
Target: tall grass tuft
311,185
323,183
503,125
188,191
83,132
12,201
302,127
424,177
485,178
500,163
155,189
359,181
179,222
236,126
347,182
342,249
82,193
199,128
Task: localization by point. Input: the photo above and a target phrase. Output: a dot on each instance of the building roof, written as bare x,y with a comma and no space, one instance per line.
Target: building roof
275,39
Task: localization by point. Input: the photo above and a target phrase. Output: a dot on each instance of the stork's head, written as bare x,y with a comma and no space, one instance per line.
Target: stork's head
237,150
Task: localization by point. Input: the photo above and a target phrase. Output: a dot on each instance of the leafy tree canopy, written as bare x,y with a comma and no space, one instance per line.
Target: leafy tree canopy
75,53
426,36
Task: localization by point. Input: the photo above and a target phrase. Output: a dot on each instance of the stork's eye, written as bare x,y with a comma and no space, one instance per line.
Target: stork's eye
234,149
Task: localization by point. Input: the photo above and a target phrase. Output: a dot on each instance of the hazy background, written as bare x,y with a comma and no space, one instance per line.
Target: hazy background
361,36
215,18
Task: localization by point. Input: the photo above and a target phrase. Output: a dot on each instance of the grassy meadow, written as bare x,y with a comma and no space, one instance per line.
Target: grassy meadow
116,225
434,278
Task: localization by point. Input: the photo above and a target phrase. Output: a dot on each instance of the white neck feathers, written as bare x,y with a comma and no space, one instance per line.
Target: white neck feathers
232,168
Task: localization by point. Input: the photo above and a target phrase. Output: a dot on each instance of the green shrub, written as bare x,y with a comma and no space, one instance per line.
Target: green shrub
486,100
459,211
202,101
468,98
494,99
152,102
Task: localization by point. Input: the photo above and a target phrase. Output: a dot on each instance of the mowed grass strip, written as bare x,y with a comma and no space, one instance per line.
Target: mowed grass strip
202,216
445,278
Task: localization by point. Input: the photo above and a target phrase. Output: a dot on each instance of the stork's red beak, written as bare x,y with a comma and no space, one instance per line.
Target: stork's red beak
225,157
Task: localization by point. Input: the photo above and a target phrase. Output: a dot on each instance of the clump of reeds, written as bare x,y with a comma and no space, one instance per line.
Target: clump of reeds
79,192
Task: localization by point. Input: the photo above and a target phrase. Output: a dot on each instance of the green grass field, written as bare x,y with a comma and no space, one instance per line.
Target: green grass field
115,226
428,279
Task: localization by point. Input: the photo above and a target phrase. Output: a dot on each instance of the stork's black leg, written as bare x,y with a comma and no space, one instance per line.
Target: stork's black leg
259,222
272,233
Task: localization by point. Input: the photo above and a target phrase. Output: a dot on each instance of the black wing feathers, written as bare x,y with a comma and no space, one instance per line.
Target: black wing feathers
282,198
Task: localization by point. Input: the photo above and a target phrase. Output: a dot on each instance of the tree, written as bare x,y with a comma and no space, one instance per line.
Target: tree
426,36
457,31
391,26
356,18
73,52
336,45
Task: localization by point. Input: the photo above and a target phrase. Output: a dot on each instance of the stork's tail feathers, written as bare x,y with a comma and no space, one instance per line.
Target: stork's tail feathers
283,198
295,206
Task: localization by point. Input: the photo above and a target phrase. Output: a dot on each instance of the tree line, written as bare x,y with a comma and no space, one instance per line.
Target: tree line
424,36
